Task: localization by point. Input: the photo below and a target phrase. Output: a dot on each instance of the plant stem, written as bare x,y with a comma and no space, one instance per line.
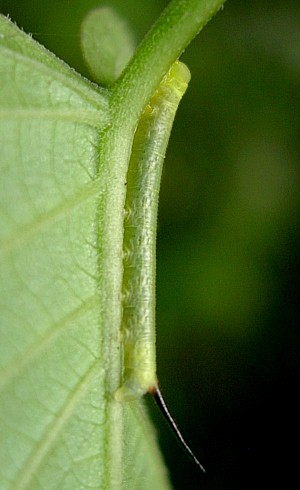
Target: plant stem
176,27
178,24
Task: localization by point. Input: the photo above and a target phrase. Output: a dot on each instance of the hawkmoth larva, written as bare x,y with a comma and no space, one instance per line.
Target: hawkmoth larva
140,222
143,182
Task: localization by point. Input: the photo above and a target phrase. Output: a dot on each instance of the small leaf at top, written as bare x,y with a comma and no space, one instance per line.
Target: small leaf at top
107,44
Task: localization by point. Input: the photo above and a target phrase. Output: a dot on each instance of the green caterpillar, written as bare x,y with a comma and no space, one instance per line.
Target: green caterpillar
140,221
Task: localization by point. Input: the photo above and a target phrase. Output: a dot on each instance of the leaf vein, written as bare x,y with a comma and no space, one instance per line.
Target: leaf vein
17,366
26,231
40,451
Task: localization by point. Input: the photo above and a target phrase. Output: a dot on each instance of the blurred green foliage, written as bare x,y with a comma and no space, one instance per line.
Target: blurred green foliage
228,261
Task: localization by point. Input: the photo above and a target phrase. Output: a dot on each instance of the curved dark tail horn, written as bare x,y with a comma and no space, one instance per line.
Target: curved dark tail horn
155,391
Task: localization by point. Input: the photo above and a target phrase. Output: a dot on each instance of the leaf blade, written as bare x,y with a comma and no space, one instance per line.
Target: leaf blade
49,326
59,428
107,44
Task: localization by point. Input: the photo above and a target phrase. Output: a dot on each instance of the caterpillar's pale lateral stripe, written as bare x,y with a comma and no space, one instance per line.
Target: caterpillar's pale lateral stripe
143,182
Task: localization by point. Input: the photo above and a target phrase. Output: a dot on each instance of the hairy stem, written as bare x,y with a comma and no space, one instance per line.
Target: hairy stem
176,27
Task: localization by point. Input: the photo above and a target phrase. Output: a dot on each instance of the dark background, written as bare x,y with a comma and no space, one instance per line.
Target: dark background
228,245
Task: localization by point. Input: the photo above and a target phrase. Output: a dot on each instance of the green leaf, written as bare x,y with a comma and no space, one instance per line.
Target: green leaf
107,44
64,152
59,427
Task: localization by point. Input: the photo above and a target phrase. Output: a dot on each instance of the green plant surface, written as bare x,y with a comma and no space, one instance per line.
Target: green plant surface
228,245
107,44
65,146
